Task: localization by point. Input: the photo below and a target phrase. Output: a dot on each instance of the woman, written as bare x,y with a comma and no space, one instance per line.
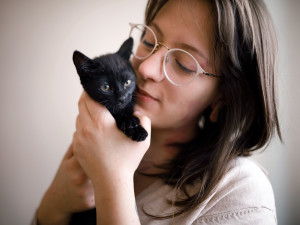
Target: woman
205,72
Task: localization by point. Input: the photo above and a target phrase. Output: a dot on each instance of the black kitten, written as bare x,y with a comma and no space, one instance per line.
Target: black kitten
110,80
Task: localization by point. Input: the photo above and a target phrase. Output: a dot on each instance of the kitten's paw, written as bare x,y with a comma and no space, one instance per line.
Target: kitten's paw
132,128
132,122
137,133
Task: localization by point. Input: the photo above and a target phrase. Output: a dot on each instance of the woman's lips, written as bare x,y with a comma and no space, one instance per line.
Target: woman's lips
145,96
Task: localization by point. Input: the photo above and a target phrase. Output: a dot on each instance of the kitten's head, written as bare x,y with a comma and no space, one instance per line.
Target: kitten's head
108,79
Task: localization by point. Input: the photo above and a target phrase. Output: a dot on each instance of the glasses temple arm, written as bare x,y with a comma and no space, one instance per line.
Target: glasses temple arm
211,75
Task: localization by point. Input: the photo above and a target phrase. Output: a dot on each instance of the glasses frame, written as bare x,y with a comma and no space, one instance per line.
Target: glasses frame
155,49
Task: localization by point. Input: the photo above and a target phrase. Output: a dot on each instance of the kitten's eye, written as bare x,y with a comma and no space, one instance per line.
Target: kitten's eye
127,83
105,87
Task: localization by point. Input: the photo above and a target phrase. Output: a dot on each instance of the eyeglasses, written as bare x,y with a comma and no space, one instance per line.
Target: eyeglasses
180,67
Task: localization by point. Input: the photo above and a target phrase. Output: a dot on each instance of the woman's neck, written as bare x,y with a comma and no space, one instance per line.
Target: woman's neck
162,149
163,146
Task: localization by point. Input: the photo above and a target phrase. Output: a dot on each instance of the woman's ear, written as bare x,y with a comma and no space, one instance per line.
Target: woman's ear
216,107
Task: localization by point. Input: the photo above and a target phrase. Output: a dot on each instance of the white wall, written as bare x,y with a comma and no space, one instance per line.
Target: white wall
40,88
282,160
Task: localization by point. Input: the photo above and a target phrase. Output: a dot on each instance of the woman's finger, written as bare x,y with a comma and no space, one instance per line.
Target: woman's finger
84,120
82,107
97,112
69,153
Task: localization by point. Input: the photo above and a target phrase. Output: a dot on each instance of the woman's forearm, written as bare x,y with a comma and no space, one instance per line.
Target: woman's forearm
47,215
115,202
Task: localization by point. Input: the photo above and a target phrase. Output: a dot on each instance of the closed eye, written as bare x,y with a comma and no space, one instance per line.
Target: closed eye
148,44
183,67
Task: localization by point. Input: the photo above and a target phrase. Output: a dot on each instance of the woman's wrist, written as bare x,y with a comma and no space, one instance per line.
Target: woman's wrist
115,201
50,218
47,215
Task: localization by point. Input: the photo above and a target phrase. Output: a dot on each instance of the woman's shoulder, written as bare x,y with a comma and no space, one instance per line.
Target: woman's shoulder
244,192
246,184
245,171
248,178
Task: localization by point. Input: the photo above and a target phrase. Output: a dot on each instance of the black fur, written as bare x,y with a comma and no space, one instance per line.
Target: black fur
84,218
112,71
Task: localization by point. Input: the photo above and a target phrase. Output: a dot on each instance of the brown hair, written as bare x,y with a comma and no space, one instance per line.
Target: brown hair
244,54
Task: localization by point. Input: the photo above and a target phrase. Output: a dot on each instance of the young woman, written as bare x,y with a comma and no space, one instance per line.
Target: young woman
205,72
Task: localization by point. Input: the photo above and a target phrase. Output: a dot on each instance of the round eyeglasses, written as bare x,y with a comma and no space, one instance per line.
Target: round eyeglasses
179,66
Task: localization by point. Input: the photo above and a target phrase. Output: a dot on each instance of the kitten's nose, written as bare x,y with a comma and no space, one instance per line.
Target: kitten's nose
122,99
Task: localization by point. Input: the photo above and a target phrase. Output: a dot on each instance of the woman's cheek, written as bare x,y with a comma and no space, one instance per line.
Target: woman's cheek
135,64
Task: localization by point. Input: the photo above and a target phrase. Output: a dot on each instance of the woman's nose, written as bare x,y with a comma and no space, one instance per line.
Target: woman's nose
152,67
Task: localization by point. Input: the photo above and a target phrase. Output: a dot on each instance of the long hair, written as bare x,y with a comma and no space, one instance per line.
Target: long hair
244,54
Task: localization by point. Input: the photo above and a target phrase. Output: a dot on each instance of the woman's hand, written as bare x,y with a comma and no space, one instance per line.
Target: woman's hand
71,191
110,159
100,147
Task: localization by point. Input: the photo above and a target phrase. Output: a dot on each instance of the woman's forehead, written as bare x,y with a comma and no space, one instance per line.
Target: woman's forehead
186,22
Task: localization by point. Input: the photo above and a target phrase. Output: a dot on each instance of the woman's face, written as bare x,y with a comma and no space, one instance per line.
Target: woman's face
186,25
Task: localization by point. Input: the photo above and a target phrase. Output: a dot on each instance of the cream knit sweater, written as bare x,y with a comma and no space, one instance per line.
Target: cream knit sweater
244,196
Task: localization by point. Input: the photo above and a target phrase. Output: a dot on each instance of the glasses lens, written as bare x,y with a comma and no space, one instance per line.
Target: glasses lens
180,67
144,41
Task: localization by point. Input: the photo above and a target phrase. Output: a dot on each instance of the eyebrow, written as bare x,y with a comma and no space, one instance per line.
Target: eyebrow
182,45
193,49
157,29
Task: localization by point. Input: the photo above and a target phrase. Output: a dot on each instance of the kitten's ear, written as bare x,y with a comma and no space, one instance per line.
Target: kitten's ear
82,62
126,49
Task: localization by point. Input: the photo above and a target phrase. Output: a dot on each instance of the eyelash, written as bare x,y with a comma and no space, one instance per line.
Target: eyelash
148,44
183,67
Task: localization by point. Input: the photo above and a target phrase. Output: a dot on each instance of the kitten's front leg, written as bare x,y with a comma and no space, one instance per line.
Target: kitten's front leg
132,128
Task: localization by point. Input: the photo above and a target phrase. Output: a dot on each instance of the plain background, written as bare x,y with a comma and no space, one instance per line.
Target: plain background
40,89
